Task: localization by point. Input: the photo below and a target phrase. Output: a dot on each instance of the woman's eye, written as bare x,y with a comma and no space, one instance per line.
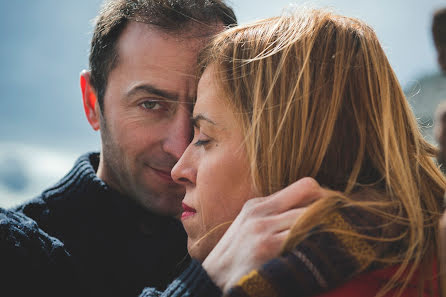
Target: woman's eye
201,142
151,105
202,139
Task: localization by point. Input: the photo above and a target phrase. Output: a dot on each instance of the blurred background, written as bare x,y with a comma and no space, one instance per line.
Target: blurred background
45,45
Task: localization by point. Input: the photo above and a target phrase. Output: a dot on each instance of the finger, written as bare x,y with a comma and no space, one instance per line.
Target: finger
286,220
299,194
272,246
281,237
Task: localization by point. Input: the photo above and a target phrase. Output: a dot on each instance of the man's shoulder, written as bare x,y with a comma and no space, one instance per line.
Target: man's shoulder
21,232
71,190
33,262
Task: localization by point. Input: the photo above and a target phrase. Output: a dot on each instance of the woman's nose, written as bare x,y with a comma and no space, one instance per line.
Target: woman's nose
184,173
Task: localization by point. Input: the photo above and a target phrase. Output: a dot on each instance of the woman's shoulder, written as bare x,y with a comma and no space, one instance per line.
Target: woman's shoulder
370,283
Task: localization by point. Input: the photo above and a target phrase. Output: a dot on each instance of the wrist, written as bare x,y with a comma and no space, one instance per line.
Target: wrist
194,281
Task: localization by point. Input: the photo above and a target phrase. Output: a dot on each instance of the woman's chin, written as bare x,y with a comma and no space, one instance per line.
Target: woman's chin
200,245
199,250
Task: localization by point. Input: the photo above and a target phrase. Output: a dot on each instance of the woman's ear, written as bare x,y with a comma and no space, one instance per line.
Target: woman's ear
91,108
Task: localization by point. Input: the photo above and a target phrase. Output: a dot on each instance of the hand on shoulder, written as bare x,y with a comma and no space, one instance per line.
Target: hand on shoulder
259,231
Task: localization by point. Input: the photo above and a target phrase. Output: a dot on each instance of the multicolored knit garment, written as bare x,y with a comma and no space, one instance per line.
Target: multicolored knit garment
321,261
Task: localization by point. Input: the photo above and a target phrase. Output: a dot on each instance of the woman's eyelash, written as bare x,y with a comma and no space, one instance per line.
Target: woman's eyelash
201,142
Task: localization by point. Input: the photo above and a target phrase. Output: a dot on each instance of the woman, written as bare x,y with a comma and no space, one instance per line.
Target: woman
312,94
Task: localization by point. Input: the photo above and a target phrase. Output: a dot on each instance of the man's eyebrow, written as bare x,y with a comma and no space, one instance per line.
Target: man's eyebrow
149,89
199,117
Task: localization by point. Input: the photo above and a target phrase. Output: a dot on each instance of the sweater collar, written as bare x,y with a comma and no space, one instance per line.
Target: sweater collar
83,182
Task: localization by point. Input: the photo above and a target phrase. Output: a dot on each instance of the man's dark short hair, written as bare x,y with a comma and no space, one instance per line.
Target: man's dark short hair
439,27
171,16
439,34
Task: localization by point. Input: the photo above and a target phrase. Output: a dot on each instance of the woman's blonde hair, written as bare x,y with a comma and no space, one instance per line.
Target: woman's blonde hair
316,96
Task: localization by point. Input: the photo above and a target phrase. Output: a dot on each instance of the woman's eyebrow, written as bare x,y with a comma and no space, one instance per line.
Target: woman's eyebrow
200,117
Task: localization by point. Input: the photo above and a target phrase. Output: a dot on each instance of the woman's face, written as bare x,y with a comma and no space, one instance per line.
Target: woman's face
214,169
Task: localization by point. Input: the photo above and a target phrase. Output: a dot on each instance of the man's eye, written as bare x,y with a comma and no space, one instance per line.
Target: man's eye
152,105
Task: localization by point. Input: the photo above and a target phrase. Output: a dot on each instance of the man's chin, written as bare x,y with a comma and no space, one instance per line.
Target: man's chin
170,212
171,208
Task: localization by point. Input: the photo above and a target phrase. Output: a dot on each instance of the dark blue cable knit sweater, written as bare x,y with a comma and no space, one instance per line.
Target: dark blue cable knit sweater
36,264
32,263
117,247
193,282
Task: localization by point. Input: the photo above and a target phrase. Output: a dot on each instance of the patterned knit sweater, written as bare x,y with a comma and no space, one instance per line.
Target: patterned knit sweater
321,262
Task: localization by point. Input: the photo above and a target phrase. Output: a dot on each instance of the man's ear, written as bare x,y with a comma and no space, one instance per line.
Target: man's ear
91,106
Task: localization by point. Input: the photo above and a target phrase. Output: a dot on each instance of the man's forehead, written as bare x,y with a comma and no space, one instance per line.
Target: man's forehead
177,47
166,61
157,47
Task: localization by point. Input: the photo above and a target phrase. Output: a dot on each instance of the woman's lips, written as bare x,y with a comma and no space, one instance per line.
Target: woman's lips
187,211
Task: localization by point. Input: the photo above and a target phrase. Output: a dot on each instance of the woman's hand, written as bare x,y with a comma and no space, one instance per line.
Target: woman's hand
258,232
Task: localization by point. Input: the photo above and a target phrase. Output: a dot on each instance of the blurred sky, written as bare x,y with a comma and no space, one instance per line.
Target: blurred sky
45,46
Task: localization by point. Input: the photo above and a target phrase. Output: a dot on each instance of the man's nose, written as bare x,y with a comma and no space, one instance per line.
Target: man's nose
178,134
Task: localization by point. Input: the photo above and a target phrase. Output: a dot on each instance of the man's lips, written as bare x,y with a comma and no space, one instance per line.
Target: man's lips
187,211
163,174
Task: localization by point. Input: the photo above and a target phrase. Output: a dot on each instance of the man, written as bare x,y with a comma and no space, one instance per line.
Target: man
114,211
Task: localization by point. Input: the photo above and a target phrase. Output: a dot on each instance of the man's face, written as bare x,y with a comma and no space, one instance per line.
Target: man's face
146,118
